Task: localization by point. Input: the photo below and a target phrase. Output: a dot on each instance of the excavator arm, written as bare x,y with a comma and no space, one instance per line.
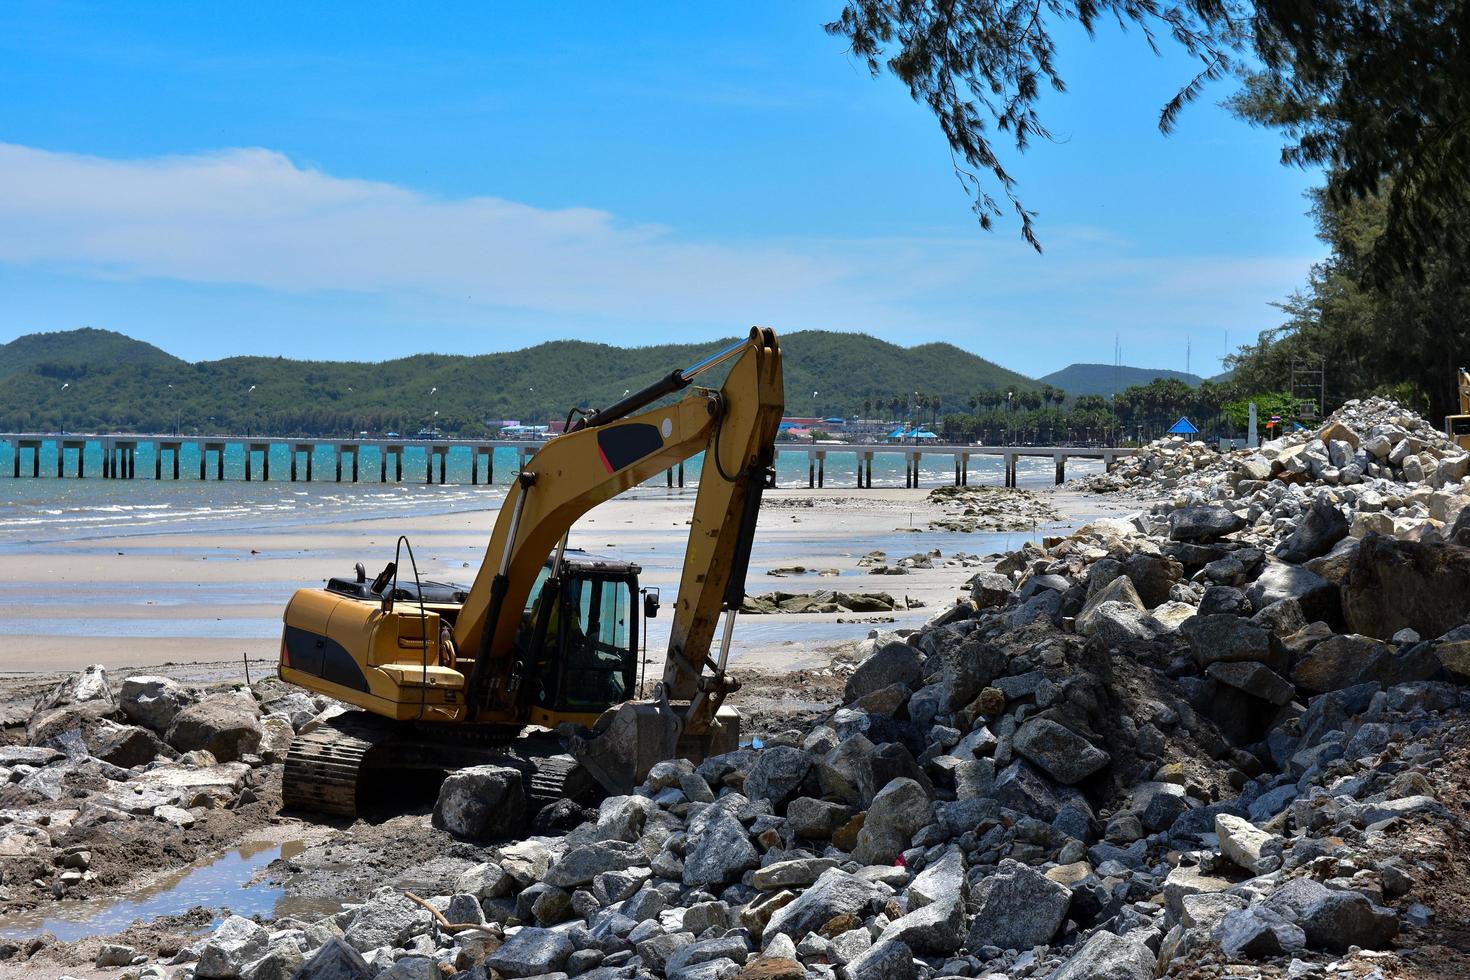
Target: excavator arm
604,455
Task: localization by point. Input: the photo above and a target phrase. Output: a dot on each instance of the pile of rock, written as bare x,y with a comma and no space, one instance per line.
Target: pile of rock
824,601
149,752
987,508
1372,441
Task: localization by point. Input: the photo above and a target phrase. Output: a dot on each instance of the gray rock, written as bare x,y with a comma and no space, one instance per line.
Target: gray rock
1025,790
484,881
1255,679
935,929
989,589
792,873
153,701
225,725
1106,956
1119,589
236,942
388,919
1201,525
1244,843
815,819
335,960
580,865
1258,933
481,803
1063,754
893,663
836,892
531,952
897,812
1333,920
1020,908
1224,637
884,961
777,773
721,853
1224,599
1315,534
846,773
1316,596
622,817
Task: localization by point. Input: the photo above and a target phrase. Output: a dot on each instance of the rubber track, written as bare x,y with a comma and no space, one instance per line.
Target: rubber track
324,768
321,772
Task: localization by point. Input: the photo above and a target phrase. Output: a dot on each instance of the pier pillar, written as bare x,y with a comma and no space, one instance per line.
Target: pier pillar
248,454
60,460
158,464
294,453
821,469
310,451
429,466
398,464
681,475
964,470
219,463
956,471
383,465
178,451
203,455
474,466
1010,464
36,462
443,464
337,452
1061,469
868,465
82,462
265,461
132,462
490,467
15,463
356,452
811,471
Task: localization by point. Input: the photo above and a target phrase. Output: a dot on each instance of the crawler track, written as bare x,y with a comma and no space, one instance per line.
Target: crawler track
326,769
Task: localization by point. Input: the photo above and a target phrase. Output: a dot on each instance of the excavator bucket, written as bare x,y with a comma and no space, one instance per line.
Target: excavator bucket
626,742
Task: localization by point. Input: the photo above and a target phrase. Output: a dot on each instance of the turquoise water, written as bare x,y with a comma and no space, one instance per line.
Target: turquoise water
48,508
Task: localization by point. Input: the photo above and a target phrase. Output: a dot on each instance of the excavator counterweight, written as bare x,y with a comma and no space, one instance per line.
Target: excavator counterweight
546,638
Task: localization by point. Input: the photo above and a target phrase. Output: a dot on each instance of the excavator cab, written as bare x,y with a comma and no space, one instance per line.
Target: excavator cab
585,659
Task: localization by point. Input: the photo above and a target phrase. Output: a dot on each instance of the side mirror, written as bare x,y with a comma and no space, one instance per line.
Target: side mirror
650,605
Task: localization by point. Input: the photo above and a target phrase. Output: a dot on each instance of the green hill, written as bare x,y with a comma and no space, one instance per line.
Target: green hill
1105,379
74,353
115,382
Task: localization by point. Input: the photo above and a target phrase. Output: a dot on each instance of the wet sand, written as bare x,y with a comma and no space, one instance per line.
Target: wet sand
211,597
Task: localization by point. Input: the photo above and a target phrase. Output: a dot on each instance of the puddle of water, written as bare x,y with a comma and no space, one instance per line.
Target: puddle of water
225,881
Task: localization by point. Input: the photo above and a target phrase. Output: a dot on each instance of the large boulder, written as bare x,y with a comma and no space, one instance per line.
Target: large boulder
335,960
1341,661
225,725
153,701
1154,576
90,684
531,952
1226,638
721,854
1019,908
1319,529
892,663
1316,596
124,745
1108,956
236,942
1393,585
1201,525
481,803
835,893
776,774
1063,754
1119,590
897,812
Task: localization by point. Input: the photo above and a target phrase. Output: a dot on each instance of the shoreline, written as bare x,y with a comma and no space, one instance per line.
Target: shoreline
215,596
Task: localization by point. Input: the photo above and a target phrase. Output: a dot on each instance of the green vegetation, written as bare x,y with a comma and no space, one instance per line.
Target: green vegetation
113,382
1106,379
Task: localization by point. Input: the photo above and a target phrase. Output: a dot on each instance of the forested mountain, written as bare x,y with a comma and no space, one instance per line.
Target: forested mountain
114,382
1105,379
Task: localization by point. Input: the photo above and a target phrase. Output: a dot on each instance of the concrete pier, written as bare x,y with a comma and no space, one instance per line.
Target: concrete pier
119,453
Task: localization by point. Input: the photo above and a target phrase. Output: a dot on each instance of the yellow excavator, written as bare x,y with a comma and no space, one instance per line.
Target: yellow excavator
535,664
1457,427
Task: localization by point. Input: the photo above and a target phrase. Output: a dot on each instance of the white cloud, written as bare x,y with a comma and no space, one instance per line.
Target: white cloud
254,217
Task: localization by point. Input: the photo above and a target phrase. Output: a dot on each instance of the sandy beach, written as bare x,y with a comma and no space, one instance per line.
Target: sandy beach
214,597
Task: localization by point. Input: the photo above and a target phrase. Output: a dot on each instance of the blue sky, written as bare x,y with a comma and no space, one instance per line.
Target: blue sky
370,180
